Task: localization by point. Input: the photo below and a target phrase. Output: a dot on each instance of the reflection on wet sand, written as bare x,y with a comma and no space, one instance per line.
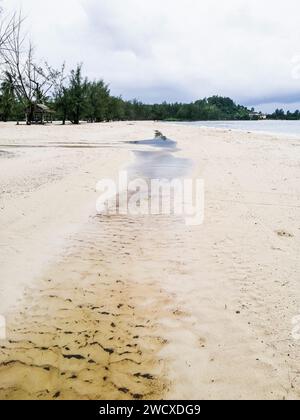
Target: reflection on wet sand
92,329
159,165
88,331
159,162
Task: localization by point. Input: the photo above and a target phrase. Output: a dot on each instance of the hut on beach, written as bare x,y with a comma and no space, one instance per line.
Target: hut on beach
39,114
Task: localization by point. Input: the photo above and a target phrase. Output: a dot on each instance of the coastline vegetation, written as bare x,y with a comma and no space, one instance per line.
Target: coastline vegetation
72,97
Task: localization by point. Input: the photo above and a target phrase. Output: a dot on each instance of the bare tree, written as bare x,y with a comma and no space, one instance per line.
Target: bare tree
6,27
32,82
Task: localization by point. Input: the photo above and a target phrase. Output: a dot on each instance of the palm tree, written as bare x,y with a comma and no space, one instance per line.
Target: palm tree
7,101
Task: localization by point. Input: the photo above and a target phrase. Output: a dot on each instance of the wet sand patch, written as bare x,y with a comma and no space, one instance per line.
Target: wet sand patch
83,333
93,327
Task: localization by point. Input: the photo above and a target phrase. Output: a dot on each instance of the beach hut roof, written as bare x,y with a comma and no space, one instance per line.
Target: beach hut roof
41,108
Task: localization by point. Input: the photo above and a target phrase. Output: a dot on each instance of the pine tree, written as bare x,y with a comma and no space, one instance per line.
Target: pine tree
77,95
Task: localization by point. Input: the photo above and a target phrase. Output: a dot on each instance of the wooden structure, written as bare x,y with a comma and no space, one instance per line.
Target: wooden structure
39,114
257,116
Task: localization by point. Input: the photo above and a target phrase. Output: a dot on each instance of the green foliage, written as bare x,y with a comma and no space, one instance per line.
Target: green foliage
7,100
279,114
97,101
75,98
215,108
10,107
77,95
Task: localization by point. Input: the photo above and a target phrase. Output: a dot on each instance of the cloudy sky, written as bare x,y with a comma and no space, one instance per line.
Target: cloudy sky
176,50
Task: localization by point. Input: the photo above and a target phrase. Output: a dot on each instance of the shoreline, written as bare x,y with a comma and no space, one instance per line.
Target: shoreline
279,135
140,308
285,136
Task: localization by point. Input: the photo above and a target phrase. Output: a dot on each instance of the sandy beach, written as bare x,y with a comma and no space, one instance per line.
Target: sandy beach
120,307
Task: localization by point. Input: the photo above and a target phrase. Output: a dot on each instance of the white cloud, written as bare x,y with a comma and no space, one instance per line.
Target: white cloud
174,49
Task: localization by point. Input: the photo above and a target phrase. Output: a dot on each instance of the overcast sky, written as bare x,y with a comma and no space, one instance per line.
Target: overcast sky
176,50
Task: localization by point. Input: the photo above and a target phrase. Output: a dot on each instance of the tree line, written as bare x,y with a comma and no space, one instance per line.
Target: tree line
74,98
25,82
280,114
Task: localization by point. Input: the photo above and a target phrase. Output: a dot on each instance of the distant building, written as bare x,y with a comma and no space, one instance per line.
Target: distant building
257,116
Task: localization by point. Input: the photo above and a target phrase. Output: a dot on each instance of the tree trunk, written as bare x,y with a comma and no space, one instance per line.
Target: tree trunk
65,114
30,115
77,116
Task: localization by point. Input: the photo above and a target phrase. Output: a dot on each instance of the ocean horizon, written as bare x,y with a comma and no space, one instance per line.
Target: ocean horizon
281,127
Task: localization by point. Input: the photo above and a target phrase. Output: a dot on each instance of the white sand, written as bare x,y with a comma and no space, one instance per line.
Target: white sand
209,308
